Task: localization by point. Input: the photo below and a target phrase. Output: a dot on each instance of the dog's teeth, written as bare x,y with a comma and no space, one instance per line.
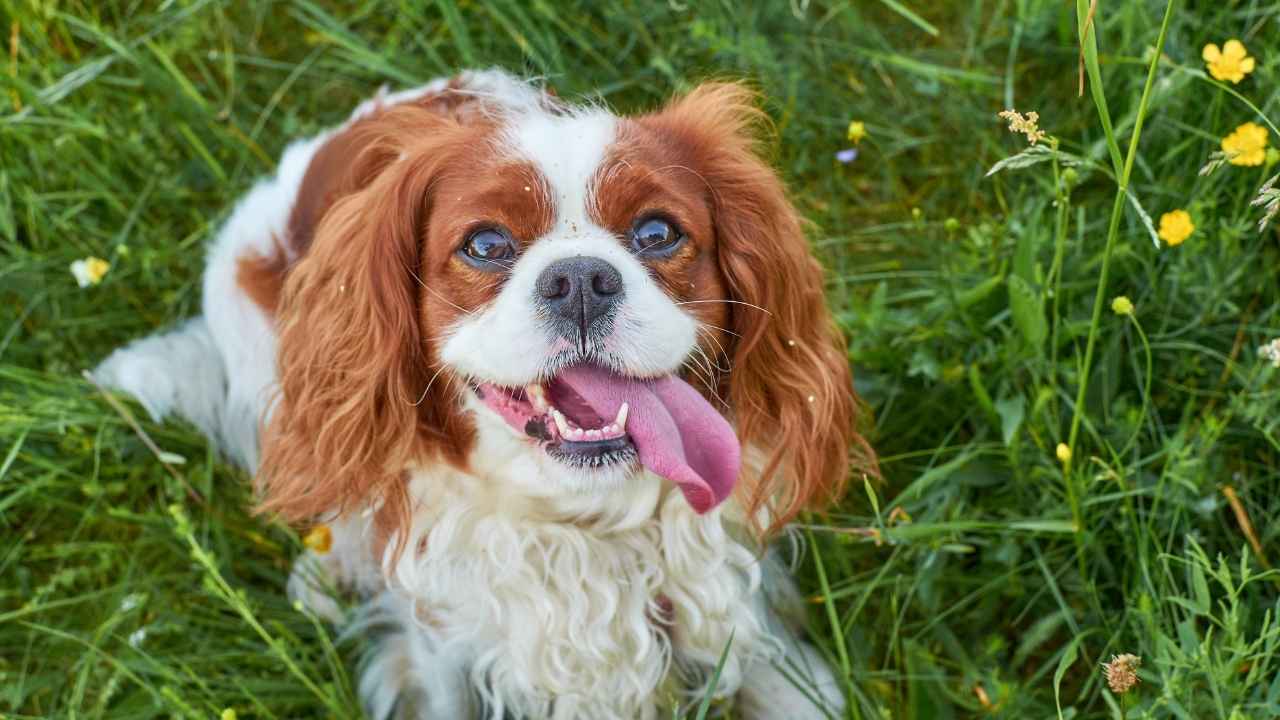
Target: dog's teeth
609,430
562,424
594,435
537,397
621,420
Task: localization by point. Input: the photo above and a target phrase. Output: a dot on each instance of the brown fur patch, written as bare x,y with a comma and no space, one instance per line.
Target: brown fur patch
790,386
329,177
362,394
262,277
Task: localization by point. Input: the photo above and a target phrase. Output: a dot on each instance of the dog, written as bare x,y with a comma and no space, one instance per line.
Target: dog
552,378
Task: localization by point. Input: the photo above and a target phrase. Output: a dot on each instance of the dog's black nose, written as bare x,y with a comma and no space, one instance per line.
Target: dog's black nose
578,291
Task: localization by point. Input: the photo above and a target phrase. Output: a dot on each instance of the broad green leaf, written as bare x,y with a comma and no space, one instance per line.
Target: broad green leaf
917,488
1011,411
1027,307
1200,585
1033,155
1064,663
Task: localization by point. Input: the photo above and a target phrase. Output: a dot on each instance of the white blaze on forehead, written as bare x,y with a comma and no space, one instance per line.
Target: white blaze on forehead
567,150
507,342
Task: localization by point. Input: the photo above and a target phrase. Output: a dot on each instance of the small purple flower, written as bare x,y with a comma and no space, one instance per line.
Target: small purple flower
847,156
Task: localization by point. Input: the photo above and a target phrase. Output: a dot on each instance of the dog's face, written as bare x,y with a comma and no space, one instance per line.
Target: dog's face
612,293
582,298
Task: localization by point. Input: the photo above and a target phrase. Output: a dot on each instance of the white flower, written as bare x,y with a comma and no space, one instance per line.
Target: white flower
1271,352
89,271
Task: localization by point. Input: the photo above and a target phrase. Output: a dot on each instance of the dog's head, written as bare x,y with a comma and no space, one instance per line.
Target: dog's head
612,293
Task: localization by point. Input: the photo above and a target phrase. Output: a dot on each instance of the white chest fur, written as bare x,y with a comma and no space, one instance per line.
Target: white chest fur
548,611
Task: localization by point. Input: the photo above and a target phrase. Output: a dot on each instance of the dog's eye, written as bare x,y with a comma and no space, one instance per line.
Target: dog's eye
656,237
489,249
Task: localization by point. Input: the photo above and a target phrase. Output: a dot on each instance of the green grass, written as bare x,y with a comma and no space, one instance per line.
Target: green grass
978,331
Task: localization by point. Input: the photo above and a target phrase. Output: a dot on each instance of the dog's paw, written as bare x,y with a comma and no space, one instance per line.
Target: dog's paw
799,686
142,371
174,372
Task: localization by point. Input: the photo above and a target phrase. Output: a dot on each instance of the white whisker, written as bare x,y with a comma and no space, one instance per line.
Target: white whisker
720,351
427,389
709,378
728,302
717,327
435,292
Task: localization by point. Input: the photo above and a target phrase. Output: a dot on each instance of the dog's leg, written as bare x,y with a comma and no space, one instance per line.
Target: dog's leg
409,673
349,563
405,675
179,372
798,683
797,686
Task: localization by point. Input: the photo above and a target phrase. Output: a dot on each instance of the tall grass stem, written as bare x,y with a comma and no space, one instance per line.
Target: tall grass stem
1113,227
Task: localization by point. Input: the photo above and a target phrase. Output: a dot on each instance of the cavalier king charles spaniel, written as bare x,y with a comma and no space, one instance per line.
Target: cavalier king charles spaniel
552,377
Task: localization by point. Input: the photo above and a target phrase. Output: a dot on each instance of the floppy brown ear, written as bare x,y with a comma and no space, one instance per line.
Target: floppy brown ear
353,360
789,387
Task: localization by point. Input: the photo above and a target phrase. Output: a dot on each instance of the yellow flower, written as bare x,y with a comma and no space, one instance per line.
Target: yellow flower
857,131
89,271
1247,145
228,714
1122,305
1176,226
1064,453
320,539
1232,62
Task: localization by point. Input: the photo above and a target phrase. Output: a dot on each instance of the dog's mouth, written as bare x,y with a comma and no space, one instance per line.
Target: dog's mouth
590,417
568,427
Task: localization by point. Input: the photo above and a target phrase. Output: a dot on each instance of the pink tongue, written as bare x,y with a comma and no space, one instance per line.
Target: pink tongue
677,433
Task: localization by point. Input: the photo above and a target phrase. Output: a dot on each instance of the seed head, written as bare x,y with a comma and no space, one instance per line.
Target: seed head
1122,672
1025,125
